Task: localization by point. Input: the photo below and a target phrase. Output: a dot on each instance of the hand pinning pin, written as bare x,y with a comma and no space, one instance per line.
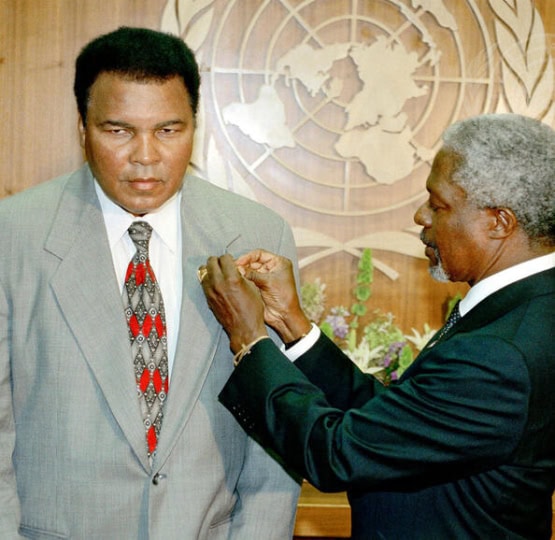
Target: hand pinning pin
202,270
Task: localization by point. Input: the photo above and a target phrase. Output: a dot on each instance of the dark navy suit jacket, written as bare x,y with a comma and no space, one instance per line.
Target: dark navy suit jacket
463,446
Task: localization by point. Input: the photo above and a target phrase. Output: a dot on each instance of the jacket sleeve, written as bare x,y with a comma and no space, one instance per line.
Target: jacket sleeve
458,413
9,502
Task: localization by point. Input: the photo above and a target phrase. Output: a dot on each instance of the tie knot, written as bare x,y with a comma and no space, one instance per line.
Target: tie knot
140,232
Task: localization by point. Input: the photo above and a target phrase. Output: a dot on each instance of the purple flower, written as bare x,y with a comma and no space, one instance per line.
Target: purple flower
336,319
392,355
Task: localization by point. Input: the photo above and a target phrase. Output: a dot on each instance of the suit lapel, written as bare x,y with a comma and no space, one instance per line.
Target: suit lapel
86,288
199,332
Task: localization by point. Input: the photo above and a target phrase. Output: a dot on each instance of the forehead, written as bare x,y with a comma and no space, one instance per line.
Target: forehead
115,91
441,175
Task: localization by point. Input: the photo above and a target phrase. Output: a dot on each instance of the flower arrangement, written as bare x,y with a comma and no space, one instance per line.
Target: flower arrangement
379,346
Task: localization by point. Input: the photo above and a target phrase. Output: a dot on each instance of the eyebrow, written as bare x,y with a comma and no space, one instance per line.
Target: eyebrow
115,123
122,124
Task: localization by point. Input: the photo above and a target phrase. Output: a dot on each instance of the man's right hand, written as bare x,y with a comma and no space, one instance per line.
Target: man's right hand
274,277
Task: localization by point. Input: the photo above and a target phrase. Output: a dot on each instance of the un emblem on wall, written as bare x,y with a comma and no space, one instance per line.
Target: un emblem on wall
337,107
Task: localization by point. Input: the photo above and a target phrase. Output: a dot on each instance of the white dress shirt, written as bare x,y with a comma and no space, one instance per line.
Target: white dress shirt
491,284
164,253
475,295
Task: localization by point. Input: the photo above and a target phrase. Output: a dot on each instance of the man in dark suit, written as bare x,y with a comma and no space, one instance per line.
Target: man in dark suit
463,445
84,451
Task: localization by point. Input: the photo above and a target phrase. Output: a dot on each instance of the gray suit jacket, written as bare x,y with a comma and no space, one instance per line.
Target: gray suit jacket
73,460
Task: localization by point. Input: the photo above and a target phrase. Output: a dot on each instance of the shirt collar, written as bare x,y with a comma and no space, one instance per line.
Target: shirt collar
497,281
164,220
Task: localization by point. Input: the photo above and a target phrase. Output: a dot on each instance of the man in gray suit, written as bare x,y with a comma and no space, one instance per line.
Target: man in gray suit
79,455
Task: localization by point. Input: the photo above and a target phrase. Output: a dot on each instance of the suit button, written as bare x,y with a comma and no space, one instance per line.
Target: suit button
157,478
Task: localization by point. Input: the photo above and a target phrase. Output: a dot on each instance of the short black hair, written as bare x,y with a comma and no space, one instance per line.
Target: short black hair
139,54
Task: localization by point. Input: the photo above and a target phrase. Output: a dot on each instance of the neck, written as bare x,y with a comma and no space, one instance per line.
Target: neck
510,253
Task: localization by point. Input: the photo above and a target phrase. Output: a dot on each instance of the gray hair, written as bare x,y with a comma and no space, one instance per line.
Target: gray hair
508,160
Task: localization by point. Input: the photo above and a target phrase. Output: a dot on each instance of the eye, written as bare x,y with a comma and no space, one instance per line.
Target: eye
434,205
168,131
117,131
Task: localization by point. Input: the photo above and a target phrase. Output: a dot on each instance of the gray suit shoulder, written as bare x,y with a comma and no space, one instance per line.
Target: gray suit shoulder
37,197
220,201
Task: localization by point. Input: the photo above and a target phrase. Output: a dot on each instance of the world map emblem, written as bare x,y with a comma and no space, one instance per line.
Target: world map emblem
337,107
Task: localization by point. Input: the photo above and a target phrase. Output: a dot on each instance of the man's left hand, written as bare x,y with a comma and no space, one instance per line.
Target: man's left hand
234,300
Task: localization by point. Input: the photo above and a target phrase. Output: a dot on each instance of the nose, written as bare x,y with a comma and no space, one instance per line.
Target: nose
145,150
422,215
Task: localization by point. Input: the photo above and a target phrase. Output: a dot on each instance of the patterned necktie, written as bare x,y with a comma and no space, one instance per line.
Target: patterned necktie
144,310
454,318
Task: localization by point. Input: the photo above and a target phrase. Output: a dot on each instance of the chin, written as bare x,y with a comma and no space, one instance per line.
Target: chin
141,210
437,270
438,273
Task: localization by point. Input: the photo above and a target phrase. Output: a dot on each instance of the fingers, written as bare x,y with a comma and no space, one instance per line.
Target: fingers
259,266
235,301
253,257
218,268
227,265
259,260
257,288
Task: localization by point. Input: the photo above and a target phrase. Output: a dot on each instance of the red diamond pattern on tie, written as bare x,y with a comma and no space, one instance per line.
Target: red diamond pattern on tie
144,310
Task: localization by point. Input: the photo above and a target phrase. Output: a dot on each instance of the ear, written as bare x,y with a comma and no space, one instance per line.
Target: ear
503,222
82,131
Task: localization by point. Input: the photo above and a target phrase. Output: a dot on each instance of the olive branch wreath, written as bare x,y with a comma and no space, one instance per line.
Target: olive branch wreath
527,66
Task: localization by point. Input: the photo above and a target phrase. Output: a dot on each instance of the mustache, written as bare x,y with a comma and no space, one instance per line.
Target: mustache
425,241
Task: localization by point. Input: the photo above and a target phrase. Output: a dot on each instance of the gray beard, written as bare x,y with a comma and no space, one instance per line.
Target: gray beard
437,271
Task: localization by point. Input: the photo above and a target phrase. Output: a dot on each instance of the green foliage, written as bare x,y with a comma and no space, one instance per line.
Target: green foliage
379,346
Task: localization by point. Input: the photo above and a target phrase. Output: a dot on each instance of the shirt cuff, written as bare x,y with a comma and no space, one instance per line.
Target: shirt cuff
303,345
